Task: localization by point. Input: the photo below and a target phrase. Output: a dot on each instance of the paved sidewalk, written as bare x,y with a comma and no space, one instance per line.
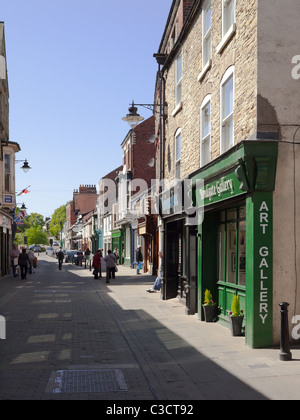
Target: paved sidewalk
72,337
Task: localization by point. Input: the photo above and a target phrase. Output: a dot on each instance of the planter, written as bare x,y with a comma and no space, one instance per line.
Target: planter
209,312
236,325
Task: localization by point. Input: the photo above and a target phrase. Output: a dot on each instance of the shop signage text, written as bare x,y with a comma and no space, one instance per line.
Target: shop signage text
264,265
221,189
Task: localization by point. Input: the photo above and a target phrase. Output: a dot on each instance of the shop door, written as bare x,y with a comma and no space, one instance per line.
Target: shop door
173,257
192,295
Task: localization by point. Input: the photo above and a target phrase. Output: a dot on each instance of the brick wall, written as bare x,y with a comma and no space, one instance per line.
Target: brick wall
85,199
143,151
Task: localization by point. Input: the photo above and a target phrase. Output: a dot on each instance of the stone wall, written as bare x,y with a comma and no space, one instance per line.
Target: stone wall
241,52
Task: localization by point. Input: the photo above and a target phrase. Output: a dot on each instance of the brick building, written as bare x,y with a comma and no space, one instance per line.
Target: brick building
134,181
108,196
231,128
84,201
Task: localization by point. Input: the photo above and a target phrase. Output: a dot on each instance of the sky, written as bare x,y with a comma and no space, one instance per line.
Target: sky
74,66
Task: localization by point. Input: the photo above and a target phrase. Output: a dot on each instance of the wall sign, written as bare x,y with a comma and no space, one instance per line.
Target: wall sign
221,189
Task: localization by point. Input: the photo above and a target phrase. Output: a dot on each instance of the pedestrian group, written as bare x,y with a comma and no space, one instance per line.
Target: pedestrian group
25,261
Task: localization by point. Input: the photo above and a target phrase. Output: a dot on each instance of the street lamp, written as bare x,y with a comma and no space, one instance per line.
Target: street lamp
25,166
23,208
133,118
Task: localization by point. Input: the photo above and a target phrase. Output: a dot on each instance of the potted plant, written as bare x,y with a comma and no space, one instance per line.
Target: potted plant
209,307
236,317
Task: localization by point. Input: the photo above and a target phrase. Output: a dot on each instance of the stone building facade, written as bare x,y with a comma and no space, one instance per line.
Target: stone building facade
232,122
8,149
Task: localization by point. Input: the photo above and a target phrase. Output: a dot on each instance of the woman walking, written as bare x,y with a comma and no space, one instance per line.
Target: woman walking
97,264
110,261
24,261
139,259
14,258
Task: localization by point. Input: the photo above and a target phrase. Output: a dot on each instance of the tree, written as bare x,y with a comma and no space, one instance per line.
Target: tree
57,221
35,235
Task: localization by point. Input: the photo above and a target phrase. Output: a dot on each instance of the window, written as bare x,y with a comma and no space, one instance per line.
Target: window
228,15
227,109
232,247
206,33
177,154
205,130
7,173
2,67
128,237
178,92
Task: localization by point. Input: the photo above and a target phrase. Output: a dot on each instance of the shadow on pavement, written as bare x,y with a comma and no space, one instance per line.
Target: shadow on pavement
56,325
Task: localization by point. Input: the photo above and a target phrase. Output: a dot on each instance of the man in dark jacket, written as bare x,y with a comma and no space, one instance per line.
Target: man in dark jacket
139,259
60,257
24,261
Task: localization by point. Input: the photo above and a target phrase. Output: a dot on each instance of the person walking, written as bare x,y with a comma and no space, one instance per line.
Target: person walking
60,257
14,258
24,261
116,254
110,261
97,264
139,259
31,259
87,256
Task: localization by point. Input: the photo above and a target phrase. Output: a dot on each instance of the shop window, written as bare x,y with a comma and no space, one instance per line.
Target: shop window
232,247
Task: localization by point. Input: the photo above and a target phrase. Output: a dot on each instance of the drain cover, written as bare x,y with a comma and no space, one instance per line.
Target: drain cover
96,380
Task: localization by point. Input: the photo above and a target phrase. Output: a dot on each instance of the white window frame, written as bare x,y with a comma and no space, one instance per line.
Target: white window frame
227,120
205,139
206,35
178,80
128,241
228,16
8,175
177,156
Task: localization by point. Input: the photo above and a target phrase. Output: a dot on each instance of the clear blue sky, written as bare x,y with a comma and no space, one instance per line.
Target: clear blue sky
73,68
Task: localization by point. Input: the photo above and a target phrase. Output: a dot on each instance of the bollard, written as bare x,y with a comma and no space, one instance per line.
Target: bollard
285,354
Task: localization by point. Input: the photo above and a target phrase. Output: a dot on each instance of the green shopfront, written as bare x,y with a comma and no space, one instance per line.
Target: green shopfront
118,241
235,236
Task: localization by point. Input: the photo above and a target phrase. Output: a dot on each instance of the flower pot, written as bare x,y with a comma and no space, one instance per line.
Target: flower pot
236,325
209,312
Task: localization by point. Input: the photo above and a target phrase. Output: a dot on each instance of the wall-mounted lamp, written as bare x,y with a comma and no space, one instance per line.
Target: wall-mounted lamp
25,166
23,206
133,118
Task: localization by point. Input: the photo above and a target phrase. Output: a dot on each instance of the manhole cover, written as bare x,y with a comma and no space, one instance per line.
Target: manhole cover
96,380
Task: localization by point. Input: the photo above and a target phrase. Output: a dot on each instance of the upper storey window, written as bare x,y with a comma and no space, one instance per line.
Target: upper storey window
227,110
178,78
228,15
206,33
